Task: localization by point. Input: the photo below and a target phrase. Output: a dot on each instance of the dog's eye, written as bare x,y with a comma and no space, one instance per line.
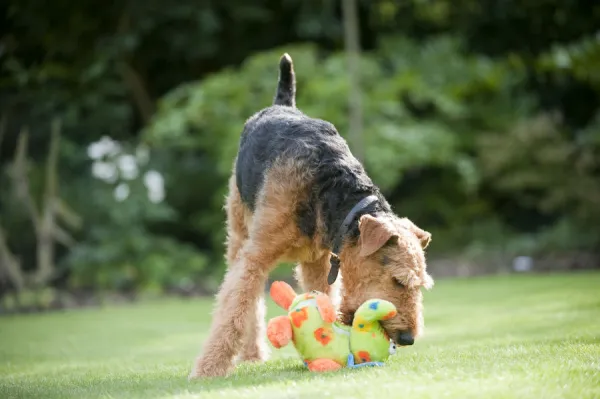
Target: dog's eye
398,283
385,260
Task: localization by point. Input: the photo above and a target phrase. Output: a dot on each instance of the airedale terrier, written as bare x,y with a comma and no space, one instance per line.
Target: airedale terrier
298,194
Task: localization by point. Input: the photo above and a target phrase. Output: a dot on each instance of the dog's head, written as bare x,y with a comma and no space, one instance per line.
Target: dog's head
387,262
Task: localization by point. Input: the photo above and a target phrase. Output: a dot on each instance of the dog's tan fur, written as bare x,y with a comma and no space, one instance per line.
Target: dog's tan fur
257,240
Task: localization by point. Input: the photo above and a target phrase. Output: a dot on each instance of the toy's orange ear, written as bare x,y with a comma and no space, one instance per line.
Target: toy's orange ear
282,293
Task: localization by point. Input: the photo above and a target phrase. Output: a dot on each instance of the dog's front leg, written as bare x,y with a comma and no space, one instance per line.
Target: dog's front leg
272,232
254,347
236,300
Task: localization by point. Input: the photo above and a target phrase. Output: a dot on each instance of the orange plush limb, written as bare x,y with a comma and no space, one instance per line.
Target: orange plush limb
323,365
279,331
390,315
282,293
326,308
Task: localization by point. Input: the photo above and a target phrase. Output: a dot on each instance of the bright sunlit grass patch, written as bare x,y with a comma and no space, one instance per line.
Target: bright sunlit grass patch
535,336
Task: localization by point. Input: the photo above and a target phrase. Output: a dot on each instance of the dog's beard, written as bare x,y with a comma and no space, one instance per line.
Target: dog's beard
347,317
391,333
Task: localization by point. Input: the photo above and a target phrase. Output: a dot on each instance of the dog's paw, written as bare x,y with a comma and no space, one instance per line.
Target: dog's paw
203,369
257,355
254,357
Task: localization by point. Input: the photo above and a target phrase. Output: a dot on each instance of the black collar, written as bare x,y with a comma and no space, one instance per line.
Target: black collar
337,241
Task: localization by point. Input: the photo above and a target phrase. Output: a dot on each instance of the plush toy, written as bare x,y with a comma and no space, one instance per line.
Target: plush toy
323,343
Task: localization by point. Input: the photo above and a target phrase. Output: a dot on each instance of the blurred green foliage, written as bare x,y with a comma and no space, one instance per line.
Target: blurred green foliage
482,121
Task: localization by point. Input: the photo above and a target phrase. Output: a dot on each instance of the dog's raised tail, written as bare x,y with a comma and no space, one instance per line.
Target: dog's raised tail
286,87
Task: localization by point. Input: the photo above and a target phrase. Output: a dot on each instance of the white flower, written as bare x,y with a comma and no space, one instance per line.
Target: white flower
128,167
104,146
155,184
121,192
105,171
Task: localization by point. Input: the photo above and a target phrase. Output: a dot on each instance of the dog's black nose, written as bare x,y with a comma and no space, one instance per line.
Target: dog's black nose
405,338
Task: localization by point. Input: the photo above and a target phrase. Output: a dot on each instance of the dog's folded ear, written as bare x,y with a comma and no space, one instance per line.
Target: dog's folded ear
374,234
423,236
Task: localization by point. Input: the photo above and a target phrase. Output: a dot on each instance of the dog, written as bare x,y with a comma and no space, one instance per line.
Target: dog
296,193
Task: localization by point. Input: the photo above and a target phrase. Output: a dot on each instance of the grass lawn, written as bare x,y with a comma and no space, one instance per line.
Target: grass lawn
493,337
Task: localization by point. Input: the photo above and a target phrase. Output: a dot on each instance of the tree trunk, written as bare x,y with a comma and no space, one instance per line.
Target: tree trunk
132,78
45,240
352,44
10,267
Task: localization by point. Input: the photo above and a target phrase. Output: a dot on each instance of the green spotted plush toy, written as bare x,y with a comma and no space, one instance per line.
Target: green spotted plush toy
323,343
